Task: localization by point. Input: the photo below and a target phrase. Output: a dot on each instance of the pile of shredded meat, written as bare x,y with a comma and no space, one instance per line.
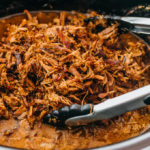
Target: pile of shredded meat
46,66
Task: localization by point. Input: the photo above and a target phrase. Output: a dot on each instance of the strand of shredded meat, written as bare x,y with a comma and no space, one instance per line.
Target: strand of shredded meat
46,66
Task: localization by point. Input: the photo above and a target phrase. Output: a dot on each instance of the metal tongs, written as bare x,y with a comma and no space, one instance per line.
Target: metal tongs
76,115
141,24
134,24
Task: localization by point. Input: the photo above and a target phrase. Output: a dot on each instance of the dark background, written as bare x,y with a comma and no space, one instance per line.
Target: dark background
119,7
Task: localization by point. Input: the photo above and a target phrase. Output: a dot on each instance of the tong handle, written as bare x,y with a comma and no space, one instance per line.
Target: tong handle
113,107
127,102
139,21
140,25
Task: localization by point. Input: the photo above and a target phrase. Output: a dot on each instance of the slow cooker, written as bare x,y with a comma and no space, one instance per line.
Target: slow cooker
112,7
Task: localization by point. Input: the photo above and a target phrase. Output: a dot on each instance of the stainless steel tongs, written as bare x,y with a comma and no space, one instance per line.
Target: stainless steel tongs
134,24
141,24
76,115
113,107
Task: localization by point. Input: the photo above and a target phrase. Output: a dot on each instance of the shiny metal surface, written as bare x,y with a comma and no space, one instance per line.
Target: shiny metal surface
141,30
113,107
141,24
140,21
